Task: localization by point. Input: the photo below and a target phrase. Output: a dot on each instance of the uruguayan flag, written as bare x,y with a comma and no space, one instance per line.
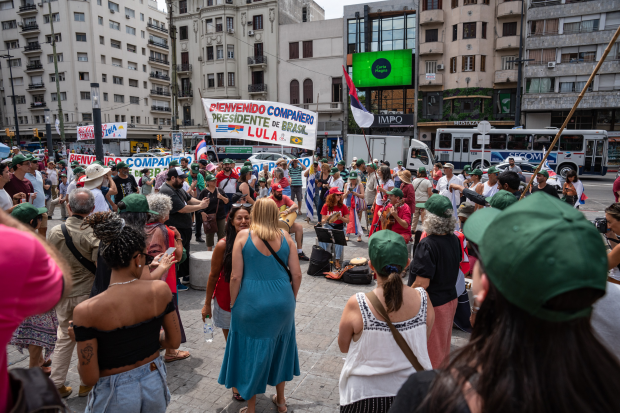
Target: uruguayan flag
339,156
310,194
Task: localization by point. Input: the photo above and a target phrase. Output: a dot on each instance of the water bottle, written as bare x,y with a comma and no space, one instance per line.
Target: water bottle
208,329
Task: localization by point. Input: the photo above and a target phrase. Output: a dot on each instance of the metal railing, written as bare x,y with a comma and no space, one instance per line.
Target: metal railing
160,108
543,33
156,27
36,86
587,59
32,46
160,92
27,7
184,67
157,60
259,87
154,43
34,66
159,76
30,27
185,93
188,122
38,105
257,60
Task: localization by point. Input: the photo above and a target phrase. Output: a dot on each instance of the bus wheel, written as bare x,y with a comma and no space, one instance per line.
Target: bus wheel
564,169
476,165
211,156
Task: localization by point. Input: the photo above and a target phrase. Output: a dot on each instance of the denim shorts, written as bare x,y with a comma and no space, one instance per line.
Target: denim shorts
221,318
142,389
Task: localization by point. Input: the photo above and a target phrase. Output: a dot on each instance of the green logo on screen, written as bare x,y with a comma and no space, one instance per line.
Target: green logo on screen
381,68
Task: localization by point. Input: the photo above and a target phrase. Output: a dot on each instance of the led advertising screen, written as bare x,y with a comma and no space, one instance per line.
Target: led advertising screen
387,68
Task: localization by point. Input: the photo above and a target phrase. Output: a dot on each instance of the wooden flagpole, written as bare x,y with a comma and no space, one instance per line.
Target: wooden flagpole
570,115
217,158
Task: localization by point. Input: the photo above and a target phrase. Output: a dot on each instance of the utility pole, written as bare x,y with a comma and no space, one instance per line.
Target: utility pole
519,72
60,115
8,56
173,48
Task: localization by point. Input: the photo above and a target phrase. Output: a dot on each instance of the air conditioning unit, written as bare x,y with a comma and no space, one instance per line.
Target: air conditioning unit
127,16
551,65
230,31
112,11
250,23
20,24
250,32
440,67
200,58
160,127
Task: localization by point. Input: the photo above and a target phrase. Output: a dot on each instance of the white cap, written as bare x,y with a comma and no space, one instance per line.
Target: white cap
354,158
94,176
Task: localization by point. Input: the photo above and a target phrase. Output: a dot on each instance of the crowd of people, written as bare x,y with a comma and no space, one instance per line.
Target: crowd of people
106,282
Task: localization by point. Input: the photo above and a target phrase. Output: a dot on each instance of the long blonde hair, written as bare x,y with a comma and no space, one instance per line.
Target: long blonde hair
264,219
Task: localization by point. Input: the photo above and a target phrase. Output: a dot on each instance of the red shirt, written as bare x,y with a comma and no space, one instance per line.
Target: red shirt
284,203
222,291
221,176
616,188
16,185
409,195
284,182
404,213
344,211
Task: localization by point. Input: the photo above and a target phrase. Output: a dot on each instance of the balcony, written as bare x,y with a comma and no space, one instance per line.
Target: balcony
155,108
27,9
185,94
158,61
505,76
34,67
154,43
38,105
30,28
431,48
509,9
160,92
184,68
431,17
155,77
156,27
32,48
323,107
257,60
545,3
438,81
507,43
257,88
36,86
187,122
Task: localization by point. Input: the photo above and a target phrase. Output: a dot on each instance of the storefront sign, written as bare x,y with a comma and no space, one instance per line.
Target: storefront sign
267,122
144,147
110,131
466,123
392,120
430,76
238,149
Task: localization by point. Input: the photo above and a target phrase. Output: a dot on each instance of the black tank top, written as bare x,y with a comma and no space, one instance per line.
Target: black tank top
252,193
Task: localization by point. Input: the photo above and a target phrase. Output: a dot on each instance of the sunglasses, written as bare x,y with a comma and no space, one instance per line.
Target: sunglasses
148,259
246,205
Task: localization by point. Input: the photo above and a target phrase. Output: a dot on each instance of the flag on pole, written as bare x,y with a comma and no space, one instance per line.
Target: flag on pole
355,224
57,124
310,186
363,118
550,171
339,156
201,148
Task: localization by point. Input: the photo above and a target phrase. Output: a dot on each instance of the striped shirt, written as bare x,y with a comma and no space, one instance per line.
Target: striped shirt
295,174
344,174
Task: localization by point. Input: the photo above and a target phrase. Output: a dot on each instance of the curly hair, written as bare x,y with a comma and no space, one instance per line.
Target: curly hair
436,225
331,201
160,203
120,241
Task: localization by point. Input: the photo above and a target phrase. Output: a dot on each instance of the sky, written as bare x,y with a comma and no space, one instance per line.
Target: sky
333,8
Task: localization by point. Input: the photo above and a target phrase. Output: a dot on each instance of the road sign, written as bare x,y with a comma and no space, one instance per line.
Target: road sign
483,139
484,127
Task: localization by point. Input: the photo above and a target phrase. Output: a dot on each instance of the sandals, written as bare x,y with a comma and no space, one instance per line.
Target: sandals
274,399
179,355
237,396
359,239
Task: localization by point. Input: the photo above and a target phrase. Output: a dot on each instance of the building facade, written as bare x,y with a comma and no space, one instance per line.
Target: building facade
122,46
310,74
228,49
466,69
565,41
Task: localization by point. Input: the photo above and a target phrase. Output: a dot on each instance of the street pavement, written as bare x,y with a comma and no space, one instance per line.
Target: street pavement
193,382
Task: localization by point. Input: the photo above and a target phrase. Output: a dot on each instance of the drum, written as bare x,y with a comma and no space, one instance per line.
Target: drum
359,261
287,221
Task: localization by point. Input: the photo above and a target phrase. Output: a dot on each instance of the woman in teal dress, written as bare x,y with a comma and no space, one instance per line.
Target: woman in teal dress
261,348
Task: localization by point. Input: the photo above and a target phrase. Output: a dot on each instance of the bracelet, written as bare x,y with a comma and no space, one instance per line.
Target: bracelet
179,239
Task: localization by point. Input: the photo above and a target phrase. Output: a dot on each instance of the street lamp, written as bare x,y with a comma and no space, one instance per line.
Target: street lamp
96,101
8,56
48,133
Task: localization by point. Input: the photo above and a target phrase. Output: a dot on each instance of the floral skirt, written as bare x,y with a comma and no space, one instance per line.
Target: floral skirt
38,330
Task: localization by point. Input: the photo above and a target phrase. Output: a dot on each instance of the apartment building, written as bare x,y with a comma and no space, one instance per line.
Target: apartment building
310,74
565,41
121,45
466,69
228,49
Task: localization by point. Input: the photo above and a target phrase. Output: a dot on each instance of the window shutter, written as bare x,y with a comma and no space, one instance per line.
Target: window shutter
464,64
294,92
424,6
473,63
440,5
308,91
483,61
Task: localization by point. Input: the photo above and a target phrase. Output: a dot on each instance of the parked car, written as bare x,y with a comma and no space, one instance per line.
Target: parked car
263,157
143,155
159,152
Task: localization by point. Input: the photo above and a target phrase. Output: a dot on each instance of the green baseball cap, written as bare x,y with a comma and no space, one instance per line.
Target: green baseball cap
360,162
422,169
137,203
247,163
333,171
502,200
173,163
121,165
75,163
227,160
398,192
59,162
98,163
31,158
26,212
61,175
374,165
438,205
353,175
492,170
79,170
111,163
259,180
245,169
342,163
543,173
467,168
538,249
399,163
209,177
17,159
324,160
195,167
387,248
476,171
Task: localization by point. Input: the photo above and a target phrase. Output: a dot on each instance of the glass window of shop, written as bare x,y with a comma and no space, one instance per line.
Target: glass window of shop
608,119
393,101
582,119
393,33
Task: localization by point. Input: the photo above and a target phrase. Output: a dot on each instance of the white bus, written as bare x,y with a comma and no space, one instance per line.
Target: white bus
584,151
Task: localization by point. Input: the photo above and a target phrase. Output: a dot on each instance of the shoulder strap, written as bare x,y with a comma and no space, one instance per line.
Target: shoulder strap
400,340
89,265
274,255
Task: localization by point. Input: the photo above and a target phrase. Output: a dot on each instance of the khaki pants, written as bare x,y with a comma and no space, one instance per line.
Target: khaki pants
418,215
52,207
64,346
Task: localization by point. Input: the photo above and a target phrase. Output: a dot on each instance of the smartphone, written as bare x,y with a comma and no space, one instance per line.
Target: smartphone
171,250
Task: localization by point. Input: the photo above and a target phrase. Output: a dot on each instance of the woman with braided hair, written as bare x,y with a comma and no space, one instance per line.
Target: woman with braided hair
118,331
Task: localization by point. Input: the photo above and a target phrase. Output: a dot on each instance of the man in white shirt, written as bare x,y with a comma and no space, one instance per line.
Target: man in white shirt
95,177
52,175
443,185
77,173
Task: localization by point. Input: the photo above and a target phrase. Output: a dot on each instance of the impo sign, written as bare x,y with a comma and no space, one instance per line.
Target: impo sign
393,120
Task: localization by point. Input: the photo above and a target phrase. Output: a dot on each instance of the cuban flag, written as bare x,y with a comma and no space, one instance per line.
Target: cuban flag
363,118
339,156
201,149
310,186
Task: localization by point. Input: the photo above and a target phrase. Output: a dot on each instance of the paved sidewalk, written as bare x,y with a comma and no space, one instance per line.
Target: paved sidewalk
193,382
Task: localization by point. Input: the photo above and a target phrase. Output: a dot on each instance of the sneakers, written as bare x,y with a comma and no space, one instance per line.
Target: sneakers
184,280
181,288
64,391
199,239
303,257
84,390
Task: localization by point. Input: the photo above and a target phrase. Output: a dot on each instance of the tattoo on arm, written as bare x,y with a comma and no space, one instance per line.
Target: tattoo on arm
87,354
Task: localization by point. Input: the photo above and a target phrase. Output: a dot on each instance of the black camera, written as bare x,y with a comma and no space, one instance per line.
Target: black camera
601,225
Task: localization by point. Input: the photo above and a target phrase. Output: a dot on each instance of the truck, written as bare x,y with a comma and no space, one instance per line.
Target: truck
412,152
125,148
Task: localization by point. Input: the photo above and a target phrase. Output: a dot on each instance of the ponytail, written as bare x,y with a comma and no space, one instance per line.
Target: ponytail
392,287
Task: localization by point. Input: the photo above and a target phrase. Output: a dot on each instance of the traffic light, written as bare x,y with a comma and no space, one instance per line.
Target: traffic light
159,137
9,133
35,131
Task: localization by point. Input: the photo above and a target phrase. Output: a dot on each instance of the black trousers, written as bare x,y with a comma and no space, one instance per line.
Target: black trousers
186,237
198,220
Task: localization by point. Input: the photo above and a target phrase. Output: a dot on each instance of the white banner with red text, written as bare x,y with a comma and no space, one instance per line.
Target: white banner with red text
109,131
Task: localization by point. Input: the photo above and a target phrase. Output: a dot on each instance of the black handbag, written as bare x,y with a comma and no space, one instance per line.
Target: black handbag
32,391
360,274
319,261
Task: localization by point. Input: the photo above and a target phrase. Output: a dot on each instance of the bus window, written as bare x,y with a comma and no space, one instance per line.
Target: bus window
475,144
497,141
445,141
519,142
237,142
542,141
466,145
571,143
